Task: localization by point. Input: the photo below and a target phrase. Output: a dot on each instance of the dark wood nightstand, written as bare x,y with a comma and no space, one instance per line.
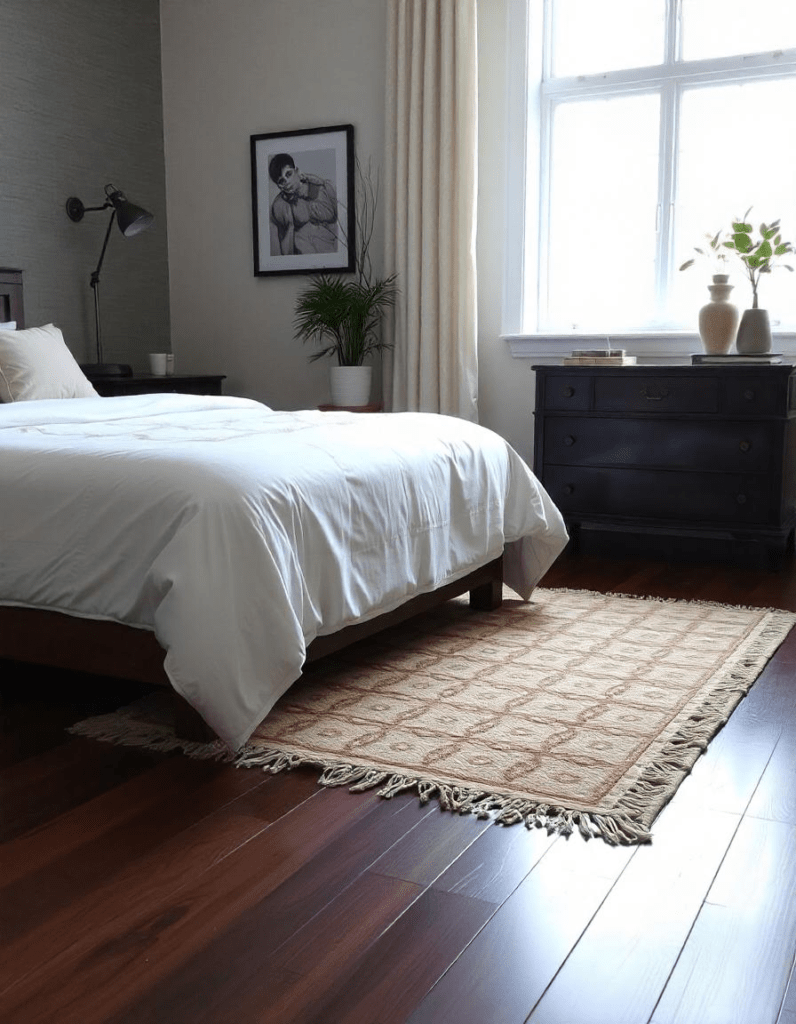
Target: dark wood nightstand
147,383
673,450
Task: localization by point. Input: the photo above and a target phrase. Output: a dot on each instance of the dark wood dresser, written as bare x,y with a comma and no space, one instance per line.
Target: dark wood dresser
147,383
677,450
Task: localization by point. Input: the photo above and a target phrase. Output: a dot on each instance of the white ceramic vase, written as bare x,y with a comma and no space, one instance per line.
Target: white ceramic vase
754,333
718,319
350,385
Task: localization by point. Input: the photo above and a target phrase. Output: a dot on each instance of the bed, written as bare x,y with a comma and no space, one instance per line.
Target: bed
214,545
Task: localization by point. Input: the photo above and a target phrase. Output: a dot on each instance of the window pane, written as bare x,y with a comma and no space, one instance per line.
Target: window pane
606,35
603,196
720,28
734,154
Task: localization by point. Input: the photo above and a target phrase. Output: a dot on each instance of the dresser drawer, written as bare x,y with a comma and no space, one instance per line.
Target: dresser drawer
689,497
756,396
632,392
735,447
566,391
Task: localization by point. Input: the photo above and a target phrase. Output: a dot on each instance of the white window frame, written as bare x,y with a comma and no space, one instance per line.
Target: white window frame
528,115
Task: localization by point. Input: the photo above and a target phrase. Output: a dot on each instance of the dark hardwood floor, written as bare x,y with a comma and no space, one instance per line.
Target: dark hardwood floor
139,887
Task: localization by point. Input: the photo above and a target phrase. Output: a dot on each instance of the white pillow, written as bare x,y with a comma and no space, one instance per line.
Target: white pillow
9,325
36,363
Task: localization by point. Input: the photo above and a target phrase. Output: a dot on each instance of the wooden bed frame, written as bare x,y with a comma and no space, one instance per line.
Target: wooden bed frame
41,637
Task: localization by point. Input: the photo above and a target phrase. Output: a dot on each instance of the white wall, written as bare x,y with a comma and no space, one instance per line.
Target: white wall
233,68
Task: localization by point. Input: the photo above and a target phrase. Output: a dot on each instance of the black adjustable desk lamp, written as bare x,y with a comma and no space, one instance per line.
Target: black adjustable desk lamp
131,219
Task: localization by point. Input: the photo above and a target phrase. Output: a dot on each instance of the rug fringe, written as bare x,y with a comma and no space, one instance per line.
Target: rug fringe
132,730
615,829
697,603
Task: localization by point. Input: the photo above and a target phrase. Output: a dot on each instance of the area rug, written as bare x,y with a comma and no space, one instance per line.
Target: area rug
576,710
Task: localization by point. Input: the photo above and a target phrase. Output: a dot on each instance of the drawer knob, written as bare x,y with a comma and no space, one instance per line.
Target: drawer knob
569,488
652,396
569,440
569,391
741,499
749,394
745,446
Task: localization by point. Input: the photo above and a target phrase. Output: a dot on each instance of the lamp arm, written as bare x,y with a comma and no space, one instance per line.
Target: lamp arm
96,272
94,282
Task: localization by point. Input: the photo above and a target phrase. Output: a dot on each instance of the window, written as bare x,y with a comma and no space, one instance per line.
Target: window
646,126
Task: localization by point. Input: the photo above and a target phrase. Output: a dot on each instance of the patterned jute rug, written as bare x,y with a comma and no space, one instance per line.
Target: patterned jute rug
574,711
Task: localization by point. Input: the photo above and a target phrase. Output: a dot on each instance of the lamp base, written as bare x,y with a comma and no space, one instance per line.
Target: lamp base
106,370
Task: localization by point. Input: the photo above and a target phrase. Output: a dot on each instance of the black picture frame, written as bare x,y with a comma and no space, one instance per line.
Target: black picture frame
307,225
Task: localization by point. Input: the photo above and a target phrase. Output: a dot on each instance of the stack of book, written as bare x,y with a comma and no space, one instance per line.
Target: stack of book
599,357
762,359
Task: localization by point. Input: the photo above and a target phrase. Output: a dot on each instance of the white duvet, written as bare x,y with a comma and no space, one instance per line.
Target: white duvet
238,534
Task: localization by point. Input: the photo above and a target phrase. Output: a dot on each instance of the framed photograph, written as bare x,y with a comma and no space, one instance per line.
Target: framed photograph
303,200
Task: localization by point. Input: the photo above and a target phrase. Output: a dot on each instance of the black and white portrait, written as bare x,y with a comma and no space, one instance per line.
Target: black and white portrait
301,197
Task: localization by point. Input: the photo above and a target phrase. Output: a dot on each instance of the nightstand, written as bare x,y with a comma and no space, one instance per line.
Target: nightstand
147,383
675,450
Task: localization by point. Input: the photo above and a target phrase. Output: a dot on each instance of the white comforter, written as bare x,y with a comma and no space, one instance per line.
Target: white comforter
239,534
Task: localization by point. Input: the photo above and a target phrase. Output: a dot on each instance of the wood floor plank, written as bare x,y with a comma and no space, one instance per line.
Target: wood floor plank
82,945
790,995
579,573
33,850
775,796
619,967
426,852
98,848
773,696
493,866
726,776
316,964
405,961
156,932
247,949
504,971
35,790
734,968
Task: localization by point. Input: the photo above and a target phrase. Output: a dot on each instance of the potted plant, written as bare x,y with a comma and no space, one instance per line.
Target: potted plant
344,316
759,256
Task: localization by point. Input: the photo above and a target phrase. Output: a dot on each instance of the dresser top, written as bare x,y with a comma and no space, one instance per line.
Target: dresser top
669,370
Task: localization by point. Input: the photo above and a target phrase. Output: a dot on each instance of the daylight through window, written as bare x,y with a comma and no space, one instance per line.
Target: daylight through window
652,125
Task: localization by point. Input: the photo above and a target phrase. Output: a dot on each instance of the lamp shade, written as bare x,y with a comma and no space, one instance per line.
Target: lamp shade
130,218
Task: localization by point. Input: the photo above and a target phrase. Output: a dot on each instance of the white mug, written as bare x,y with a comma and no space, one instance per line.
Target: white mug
161,363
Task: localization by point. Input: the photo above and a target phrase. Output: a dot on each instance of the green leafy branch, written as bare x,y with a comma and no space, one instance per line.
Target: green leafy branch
714,255
759,256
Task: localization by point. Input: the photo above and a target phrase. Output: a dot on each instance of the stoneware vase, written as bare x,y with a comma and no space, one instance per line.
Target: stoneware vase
350,385
718,319
754,333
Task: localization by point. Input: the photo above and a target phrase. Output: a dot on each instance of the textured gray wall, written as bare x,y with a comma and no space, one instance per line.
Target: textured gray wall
81,106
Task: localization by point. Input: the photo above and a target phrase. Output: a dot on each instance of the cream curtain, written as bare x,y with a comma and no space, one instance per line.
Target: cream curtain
430,205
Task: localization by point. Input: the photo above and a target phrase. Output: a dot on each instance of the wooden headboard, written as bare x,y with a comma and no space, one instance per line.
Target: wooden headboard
11,304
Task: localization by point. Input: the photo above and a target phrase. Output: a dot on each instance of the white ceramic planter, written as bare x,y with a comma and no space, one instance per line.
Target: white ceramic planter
754,333
350,385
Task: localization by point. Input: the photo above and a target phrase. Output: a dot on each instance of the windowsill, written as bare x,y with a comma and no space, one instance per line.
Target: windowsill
647,347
